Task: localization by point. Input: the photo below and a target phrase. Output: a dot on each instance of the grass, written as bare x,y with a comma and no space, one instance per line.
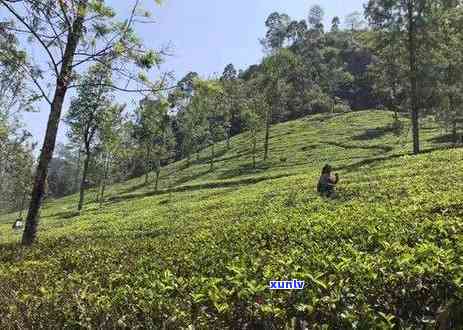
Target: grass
201,251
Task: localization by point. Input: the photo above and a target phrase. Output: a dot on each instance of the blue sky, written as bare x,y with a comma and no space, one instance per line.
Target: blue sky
206,35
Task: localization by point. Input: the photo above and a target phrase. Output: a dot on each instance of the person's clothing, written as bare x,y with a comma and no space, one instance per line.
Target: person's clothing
326,185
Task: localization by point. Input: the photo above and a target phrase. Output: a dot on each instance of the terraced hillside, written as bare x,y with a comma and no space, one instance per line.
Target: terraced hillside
200,252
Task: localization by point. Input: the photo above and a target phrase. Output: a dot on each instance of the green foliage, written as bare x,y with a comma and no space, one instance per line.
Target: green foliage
153,132
316,15
341,108
101,9
277,25
87,113
320,102
385,254
16,166
149,59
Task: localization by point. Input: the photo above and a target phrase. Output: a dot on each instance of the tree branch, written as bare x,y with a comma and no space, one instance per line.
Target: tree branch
34,80
21,19
127,90
63,10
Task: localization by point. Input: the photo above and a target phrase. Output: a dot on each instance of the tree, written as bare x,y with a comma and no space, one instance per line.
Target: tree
154,134
184,130
409,16
232,89
22,176
354,21
255,108
16,162
448,56
335,24
87,115
274,69
62,170
296,32
315,19
277,27
192,131
208,102
15,158
111,135
14,94
388,69
71,34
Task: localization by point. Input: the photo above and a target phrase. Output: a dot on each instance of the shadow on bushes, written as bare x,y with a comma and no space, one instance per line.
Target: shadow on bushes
376,133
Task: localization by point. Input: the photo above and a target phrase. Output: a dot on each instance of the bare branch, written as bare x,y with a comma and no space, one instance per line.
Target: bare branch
94,56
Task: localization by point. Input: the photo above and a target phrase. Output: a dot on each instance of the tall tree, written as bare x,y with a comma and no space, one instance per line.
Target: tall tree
232,89
255,109
388,69
208,101
335,24
16,162
87,115
277,28
316,16
62,170
71,34
409,16
296,32
192,131
180,99
111,134
153,126
273,81
448,55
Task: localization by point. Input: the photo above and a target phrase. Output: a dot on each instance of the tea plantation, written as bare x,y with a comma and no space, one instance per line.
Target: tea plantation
387,253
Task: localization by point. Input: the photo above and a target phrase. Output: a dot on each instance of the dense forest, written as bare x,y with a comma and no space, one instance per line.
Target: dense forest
401,56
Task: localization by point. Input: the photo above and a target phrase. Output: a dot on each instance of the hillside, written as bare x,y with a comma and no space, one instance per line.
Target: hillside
202,250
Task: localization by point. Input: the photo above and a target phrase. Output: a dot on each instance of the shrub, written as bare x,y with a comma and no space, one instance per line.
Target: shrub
341,108
319,102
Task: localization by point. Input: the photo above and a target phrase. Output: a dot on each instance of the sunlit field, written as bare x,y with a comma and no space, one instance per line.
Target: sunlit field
200,252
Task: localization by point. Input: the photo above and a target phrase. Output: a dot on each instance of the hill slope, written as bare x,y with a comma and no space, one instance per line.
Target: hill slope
202,251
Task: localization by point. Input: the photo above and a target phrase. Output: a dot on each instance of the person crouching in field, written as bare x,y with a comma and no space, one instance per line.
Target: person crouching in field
327,183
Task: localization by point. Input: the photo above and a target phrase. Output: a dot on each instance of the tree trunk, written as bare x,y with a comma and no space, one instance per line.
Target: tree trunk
62,83
1,175
83,182
147,167
158,172
212,156
228,139
454,132
254,147
267,134
105,178
452,103
394,105
23,202
76,181
413,77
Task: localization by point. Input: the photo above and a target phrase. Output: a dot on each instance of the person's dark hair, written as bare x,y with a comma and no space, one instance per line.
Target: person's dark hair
327,169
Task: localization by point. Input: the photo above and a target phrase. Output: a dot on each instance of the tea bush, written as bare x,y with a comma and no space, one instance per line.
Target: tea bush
387,253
